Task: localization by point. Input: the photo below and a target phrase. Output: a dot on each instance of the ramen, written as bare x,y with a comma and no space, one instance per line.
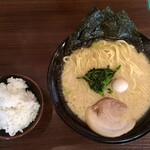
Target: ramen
135,70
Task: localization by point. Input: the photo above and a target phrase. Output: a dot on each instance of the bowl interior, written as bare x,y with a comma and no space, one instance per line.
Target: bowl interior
54,82
34,88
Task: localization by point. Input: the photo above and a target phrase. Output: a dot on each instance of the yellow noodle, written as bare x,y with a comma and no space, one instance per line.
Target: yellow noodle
135,69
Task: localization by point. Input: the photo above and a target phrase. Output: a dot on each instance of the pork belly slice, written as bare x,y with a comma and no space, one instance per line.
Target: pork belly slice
109,117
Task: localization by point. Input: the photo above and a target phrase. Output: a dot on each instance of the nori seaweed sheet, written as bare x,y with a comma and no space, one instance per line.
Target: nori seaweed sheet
121,27
89,28
104,24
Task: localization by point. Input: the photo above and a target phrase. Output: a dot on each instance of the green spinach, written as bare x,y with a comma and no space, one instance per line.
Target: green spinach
99,79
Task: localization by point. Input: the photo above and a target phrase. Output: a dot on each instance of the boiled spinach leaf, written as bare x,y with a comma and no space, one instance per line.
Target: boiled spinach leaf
99,79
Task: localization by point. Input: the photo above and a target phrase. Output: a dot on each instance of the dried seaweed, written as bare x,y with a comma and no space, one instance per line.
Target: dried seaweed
89,28
107,13
121,27
104,24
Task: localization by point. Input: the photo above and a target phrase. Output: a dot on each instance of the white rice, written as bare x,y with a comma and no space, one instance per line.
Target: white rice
18,107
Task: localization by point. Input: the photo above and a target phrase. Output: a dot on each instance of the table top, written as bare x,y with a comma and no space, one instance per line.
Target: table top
30,31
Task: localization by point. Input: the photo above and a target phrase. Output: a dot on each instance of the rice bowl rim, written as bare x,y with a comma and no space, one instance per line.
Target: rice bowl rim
40,100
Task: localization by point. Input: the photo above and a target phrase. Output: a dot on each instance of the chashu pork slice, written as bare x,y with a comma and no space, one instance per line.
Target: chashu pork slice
109,117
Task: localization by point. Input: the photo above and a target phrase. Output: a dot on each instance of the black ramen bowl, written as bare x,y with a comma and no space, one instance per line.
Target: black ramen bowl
141,128
34,88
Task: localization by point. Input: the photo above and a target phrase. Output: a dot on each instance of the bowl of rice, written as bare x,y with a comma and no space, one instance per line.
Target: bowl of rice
21,106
